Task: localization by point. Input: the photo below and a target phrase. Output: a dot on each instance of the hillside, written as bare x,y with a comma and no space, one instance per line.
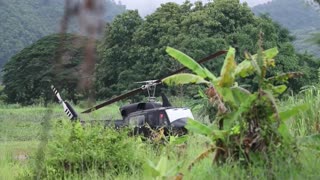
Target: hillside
300,18
24,22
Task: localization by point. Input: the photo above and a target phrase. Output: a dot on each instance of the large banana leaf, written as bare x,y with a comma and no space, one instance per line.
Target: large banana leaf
246,68
199,128
287,114
210,76
270,53
184,78
227,72
187,61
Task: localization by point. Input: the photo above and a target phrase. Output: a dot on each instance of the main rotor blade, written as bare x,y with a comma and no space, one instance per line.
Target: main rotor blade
118,98
135,91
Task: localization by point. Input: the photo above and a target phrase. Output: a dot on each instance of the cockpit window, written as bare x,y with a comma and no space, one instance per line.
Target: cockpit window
137,120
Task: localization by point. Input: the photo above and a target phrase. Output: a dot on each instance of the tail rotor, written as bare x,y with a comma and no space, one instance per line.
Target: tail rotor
71,113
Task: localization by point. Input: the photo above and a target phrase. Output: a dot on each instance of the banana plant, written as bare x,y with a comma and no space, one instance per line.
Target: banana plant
239,112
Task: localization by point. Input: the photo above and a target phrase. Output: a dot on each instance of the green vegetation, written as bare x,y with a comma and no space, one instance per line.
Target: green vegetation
29,75
247,124
135,48
245,127
80,150
17,156
24,22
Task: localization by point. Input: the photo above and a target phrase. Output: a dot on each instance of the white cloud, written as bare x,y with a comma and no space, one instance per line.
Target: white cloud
148,6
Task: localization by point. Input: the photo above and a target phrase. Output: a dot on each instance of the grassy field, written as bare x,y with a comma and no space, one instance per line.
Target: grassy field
24,134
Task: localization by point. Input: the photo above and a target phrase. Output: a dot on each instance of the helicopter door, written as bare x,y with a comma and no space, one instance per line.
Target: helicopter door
137,121
157,119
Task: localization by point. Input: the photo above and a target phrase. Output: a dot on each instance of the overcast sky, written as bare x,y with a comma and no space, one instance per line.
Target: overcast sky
148,6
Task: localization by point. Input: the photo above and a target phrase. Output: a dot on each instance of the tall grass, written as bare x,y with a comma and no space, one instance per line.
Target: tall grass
307,122
20,132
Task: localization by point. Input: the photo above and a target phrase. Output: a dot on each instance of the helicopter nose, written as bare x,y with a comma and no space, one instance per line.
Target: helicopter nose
179,122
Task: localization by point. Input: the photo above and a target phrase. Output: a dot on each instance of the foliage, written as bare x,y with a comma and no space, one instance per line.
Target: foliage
77,149
24,22
27,77
119,68
307,123
19,133
246,123
133,49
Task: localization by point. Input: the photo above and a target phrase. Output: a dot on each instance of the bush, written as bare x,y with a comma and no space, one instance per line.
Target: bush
74,149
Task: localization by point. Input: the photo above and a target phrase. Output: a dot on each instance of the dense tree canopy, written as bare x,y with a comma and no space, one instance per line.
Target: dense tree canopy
24,22
30,73
134,49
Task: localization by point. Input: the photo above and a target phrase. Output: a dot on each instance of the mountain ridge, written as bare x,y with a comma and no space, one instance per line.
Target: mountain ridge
299,17
24,22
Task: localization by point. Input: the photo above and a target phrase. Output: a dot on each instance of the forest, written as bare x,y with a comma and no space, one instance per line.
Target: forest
255,107
138,45
25,22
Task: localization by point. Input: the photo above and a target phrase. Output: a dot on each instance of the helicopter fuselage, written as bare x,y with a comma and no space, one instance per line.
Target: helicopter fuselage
171,119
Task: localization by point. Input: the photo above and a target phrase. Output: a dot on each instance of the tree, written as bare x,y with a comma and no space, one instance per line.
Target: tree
117,45
29,74
199,29
24,22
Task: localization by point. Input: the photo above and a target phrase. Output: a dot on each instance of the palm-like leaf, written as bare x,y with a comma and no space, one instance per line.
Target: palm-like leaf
227,72
187,61
184,78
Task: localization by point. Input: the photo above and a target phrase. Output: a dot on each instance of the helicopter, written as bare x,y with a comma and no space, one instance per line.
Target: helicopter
144,117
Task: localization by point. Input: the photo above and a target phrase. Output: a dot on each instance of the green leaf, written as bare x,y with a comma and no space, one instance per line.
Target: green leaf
202,93
285,115
279,89
197,127
284,132
186,61
284,77
271,53
247,67
256,67
174,140
240,95
244,69
150,169
162,166
226,94
210,75
244,106
184,78
200,128
228,69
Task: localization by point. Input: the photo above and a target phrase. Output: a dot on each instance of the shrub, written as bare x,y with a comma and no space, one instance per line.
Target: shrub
74,149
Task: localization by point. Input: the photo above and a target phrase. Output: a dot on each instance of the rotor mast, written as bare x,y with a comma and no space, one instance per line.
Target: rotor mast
150,86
